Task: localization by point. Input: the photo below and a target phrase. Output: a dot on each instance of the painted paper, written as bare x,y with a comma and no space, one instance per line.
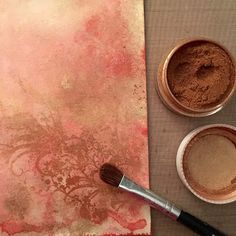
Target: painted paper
72,96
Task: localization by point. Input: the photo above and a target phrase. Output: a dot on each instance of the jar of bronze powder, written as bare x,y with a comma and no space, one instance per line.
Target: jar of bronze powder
197,78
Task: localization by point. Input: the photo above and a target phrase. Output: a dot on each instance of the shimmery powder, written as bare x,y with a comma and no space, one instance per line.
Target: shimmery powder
210,162
200,75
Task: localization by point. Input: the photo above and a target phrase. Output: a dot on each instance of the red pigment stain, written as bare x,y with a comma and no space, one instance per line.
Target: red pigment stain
12,228
140,224
134,211
119,63
141,129
92,25
48,215
144,132
110,39
143,54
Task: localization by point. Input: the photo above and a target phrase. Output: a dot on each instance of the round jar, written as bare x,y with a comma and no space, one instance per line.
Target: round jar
206,163
197,78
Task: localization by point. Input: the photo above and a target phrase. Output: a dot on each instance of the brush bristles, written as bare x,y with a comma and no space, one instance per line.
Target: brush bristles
110,174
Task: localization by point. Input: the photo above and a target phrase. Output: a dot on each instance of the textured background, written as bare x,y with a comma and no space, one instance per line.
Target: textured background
167,21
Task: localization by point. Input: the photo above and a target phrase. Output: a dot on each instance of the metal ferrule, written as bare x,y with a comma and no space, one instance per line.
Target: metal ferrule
154,200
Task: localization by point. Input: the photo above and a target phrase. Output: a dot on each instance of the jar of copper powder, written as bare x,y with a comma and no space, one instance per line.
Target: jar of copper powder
197,78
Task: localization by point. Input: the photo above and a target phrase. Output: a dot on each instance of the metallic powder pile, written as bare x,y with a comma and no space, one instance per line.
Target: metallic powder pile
210,162
200,75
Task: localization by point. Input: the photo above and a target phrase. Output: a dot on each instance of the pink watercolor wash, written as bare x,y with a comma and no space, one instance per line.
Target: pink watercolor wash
72,96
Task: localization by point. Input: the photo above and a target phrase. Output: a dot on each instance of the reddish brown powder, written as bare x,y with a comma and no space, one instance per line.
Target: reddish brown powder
200,75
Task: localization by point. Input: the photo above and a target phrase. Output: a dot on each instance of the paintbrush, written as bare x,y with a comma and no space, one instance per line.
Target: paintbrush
113,176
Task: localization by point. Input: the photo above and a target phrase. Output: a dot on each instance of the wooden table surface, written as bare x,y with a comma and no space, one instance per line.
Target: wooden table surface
167,21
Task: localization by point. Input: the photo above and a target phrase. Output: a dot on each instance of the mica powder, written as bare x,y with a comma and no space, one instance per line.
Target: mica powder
210,162
200,75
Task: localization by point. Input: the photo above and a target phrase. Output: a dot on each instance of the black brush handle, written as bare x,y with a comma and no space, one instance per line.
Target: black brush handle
197,225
